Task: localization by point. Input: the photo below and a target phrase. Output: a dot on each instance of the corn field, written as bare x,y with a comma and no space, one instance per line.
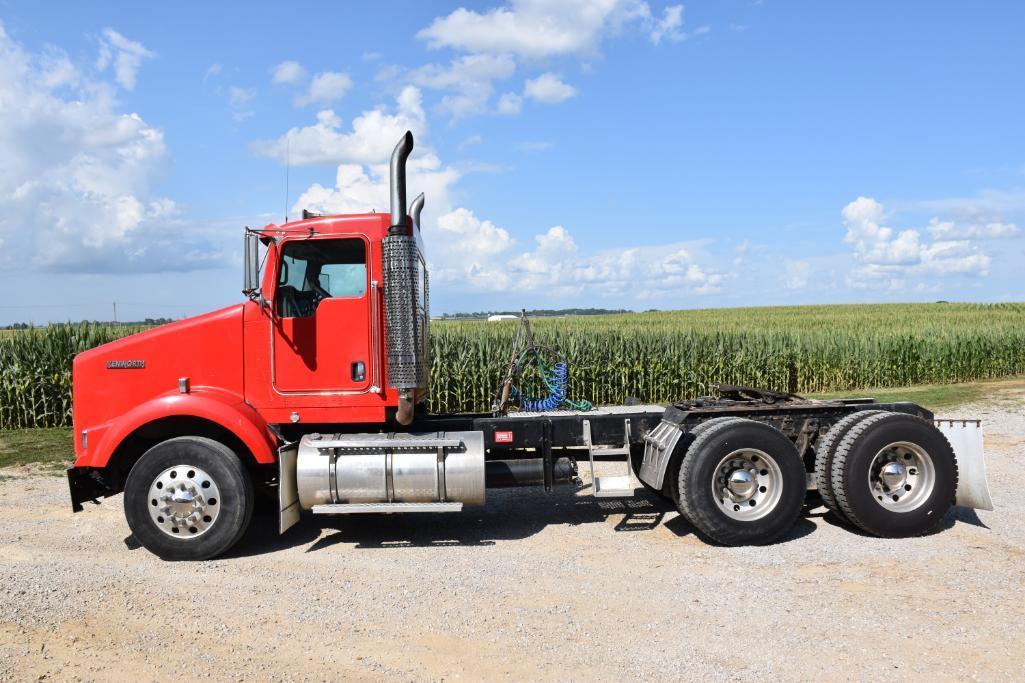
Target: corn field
667,356
657,357
35,371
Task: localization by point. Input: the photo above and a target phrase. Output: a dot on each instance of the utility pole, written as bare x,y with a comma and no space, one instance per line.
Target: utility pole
115,313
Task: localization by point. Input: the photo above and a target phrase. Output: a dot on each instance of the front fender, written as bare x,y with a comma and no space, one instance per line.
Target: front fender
220,407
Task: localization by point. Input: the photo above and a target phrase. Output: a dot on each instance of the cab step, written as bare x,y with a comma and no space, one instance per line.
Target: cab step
616,485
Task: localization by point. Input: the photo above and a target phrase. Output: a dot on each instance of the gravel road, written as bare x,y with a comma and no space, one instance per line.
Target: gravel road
532,587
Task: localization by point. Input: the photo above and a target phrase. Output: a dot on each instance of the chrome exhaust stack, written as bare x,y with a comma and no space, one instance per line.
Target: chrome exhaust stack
405,316
398,184
416,208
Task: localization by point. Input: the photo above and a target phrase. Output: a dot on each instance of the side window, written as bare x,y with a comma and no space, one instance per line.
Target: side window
318,269
293,271
344,279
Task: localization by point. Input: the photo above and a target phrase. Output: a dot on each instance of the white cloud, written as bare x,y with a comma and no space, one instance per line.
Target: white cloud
464,72
796,274
325,87
509,104
953,230
887,257
373,135
985,205
474,235
475,139
668,26
465,250
531,32
363,188
83,199
548,88
212,71
362,155
536,30
239,96
469,80
125,55
475,253
290,72
740,252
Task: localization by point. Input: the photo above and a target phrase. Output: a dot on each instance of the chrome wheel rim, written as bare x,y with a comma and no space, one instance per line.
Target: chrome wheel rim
747,484
902,476
184,501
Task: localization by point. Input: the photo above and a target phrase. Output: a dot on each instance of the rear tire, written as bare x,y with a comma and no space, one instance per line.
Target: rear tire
188,498
825,450
671,480
894,475
741,482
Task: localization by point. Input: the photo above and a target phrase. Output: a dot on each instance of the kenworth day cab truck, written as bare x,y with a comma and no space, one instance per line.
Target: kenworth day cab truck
315,387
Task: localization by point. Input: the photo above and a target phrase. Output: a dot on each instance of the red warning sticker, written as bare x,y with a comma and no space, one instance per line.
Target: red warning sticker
503,437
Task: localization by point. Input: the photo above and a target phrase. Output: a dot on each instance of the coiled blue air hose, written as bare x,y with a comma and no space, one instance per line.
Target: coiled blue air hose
557,381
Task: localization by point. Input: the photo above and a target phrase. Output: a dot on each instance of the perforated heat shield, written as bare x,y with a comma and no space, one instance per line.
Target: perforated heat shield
406,312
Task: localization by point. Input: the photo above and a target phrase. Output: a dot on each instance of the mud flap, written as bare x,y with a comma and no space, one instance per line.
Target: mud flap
288,493
965,436
658,450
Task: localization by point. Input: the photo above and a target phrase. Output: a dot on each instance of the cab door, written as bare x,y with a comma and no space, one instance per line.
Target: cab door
321,331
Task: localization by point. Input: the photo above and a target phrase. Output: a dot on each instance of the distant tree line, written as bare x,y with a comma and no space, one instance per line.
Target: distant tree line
146,322
535,313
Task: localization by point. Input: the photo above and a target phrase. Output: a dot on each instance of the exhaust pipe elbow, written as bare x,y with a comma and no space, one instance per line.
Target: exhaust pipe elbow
398,184
416,208
404,414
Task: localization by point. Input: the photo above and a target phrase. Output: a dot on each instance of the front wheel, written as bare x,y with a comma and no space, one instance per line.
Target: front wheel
188,498
741,482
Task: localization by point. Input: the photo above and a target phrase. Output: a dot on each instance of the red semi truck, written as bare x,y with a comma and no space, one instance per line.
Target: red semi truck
314,386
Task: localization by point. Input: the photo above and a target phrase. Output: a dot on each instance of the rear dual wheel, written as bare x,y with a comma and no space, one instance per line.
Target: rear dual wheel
893,475
740,482
825,452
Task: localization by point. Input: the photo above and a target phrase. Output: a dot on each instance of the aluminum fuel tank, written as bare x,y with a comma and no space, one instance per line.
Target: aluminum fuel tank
391,468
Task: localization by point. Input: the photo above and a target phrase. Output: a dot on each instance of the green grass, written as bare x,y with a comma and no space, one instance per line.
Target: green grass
50,447
933,396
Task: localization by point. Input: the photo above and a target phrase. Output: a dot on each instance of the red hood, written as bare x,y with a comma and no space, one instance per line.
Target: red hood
111,379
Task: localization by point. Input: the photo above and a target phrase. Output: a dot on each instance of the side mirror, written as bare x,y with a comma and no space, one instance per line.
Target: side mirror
251,283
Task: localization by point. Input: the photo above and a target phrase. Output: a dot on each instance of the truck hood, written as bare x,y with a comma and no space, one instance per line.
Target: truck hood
111,379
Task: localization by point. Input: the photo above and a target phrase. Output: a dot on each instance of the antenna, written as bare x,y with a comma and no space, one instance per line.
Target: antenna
288,164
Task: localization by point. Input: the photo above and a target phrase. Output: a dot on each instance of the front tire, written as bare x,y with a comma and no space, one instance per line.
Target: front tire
741,483
188,498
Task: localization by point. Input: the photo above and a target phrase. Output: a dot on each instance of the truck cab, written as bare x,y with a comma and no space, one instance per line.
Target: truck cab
314,331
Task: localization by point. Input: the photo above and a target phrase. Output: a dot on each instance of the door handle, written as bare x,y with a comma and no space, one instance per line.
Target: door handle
358,371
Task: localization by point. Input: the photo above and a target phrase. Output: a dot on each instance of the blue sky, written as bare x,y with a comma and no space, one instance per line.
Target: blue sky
613,153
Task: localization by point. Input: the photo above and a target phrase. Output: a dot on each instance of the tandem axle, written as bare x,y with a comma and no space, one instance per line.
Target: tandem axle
448,461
